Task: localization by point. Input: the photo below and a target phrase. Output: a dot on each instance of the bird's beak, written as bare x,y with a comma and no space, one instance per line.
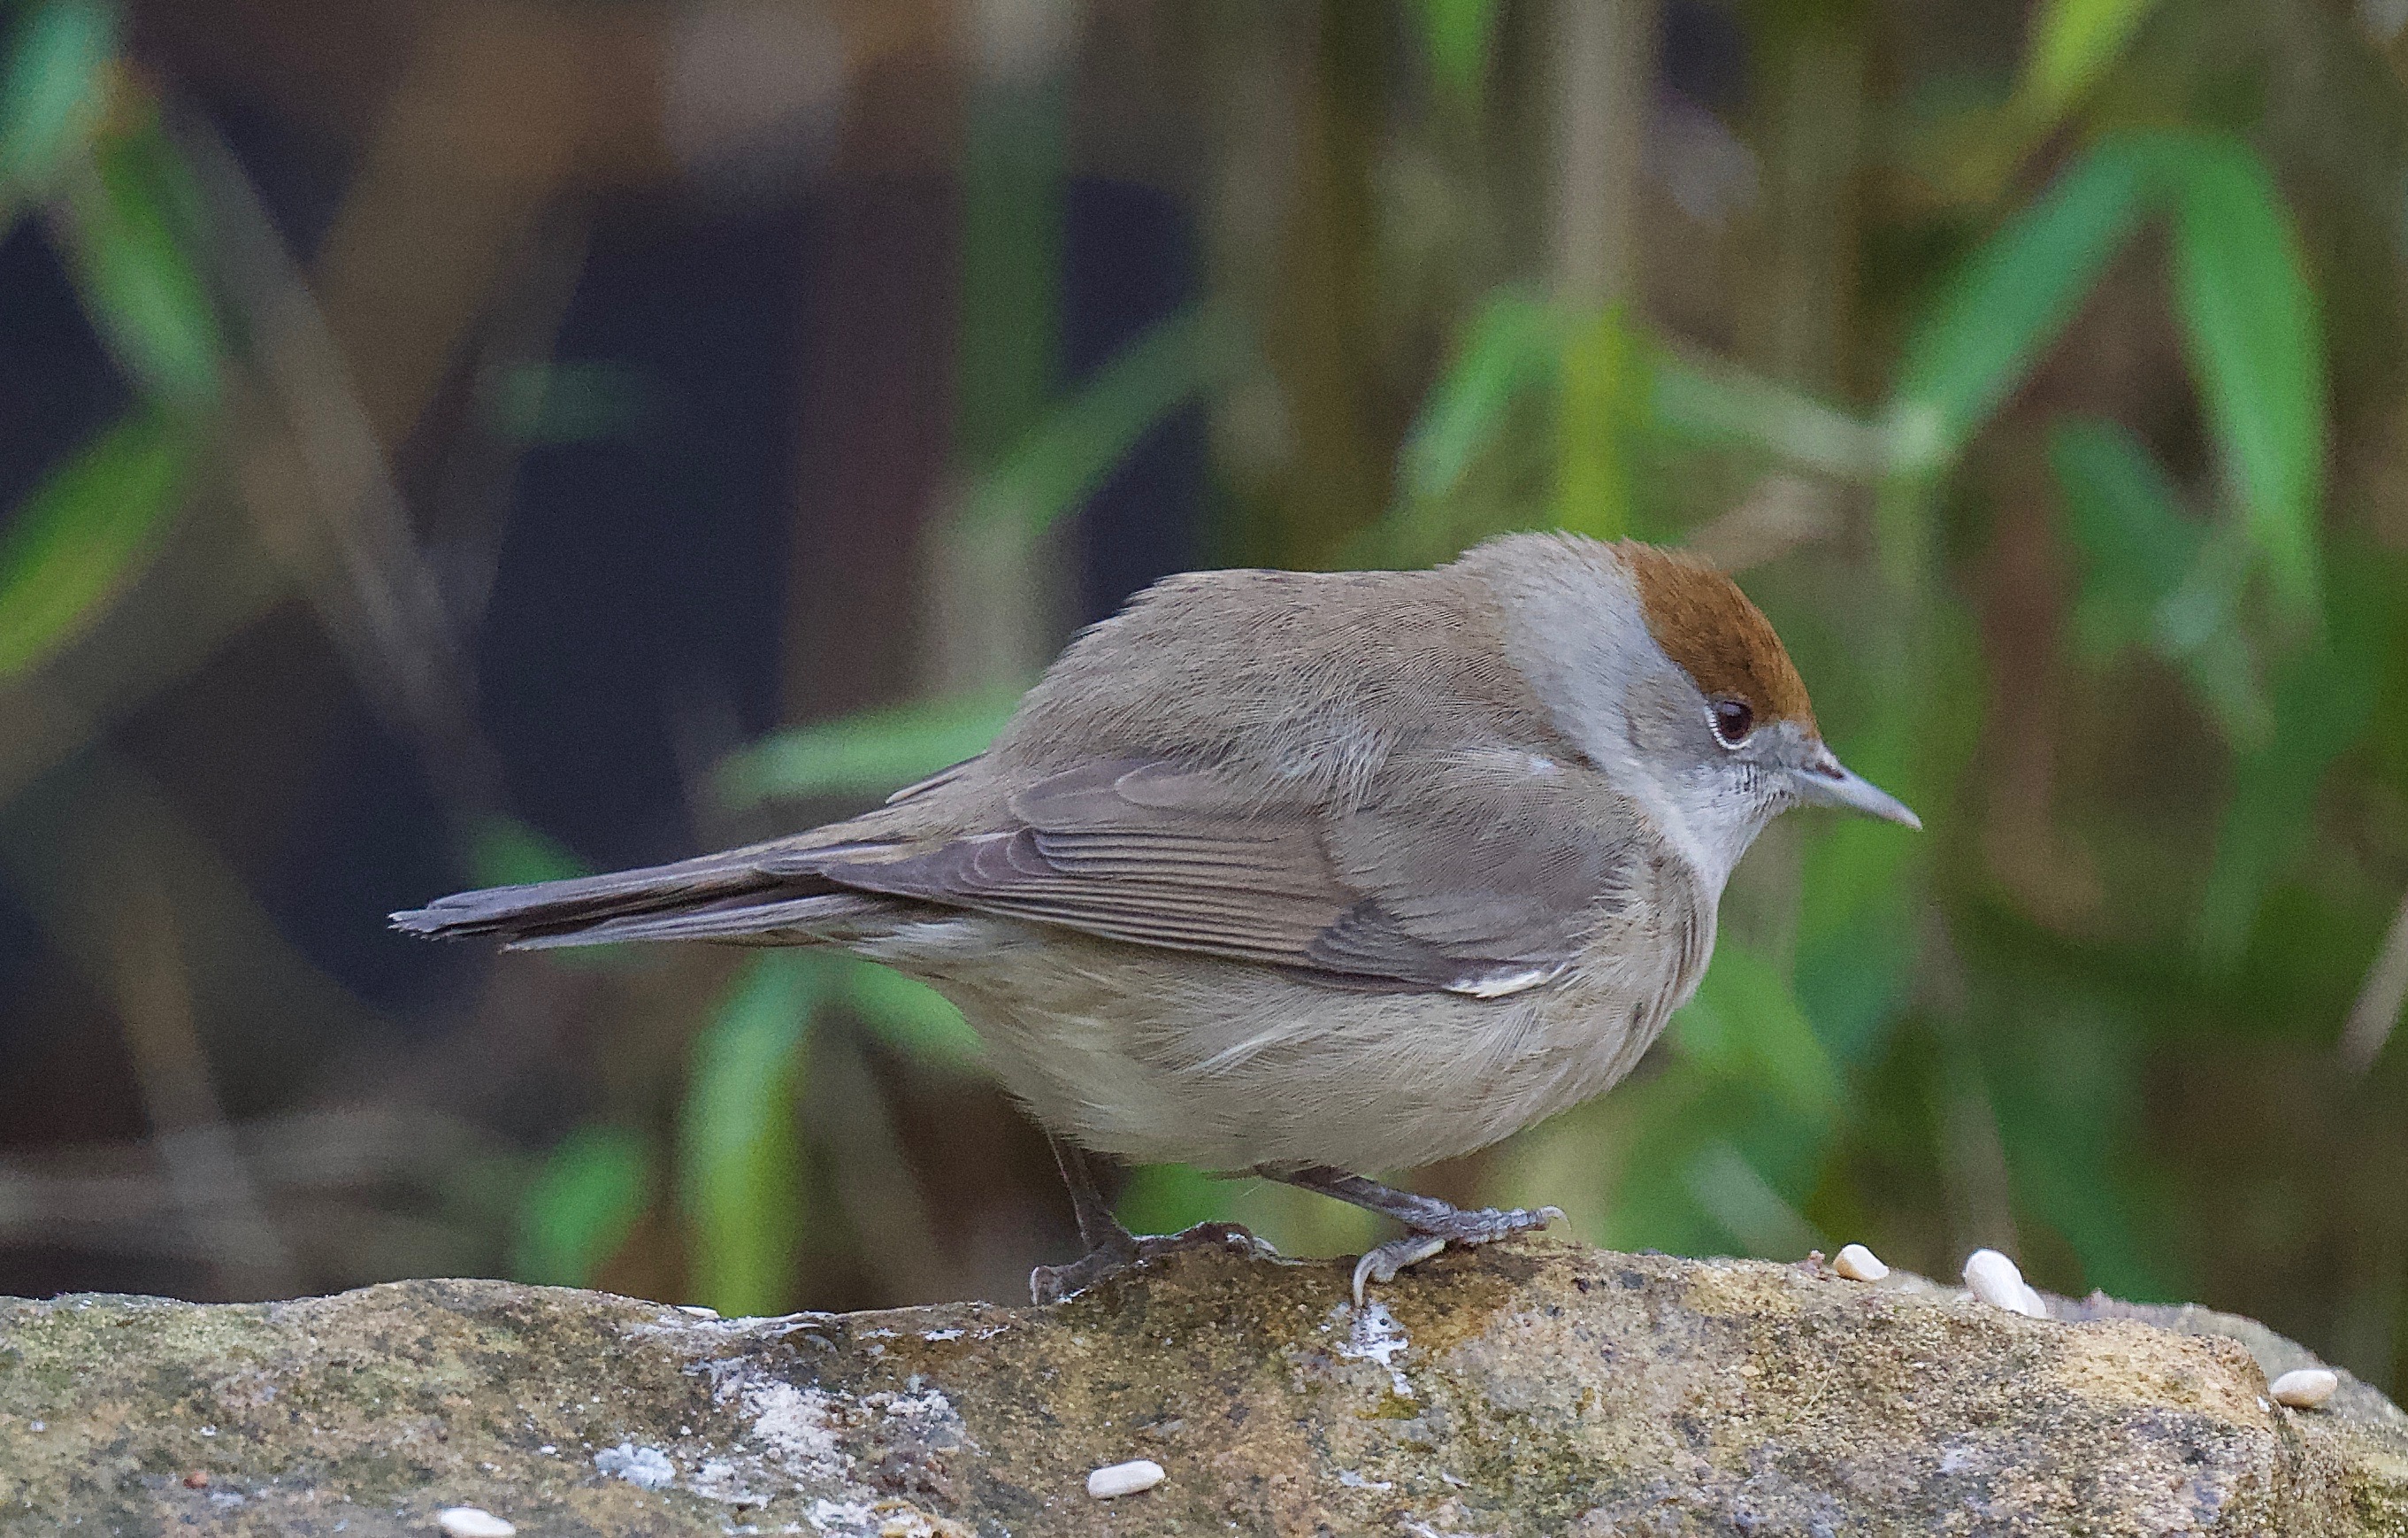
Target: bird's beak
1824,780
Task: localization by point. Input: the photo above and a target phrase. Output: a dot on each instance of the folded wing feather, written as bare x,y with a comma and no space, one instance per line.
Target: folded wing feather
1482,873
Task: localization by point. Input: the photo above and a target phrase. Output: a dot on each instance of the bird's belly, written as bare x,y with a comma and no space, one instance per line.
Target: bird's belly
1159,1057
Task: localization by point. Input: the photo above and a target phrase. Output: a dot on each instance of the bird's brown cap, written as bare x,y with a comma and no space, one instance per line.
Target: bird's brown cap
1704,623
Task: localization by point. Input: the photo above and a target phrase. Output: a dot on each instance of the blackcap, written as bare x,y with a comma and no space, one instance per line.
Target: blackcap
1304,874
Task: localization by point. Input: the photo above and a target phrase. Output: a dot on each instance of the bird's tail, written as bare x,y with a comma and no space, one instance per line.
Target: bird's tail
726,898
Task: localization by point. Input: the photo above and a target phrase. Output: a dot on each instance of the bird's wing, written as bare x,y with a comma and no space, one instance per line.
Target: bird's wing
1482,872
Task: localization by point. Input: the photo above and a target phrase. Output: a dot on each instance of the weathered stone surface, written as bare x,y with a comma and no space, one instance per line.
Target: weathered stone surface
1534,1387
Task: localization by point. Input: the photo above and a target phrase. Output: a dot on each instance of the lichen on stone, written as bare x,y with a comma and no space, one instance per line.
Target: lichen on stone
1528,1387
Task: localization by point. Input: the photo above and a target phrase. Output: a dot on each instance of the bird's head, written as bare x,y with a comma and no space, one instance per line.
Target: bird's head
1673,685
1759,735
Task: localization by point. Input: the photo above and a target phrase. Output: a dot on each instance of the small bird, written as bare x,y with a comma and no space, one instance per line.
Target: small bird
1299,874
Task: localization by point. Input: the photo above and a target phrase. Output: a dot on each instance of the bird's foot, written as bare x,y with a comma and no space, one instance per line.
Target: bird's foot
1121,1251
1433,1232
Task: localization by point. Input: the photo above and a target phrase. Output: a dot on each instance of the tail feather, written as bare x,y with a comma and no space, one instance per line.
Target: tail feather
560,911
828,918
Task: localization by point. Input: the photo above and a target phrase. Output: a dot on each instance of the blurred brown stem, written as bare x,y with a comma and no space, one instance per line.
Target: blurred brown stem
2379,1000
1780,513
1981,1189
1820,106
212,1185
1605,70
319,1170
314,475
873,1179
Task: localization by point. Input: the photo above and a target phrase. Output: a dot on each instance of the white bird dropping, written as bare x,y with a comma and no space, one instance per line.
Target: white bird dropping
2305,1387
1118,1479
1995,1280
473,1523
1859,1264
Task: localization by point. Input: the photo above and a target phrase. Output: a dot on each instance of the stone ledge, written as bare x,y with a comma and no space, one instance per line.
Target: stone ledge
1531,1387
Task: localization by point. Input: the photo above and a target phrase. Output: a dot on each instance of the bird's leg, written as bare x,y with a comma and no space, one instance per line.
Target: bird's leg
1098,1229
1112,1248
1430,1225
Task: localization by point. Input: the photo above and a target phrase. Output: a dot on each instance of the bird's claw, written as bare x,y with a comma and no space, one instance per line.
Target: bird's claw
1053,1284
1381,1262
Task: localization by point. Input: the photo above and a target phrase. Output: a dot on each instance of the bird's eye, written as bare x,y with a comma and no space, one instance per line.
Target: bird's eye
1733,720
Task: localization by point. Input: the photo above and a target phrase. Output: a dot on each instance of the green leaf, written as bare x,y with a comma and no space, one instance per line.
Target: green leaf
1066,457
740,1152
1661,1127
912,1017
85,534
128,242
2063,1075
2012,298
1856,938
1744,1023
506,851
503,851
1912,728
2198,627
2322,703
1513,345
1713,404
2152,577
2073,42
1730,1191
1007,318
1459,38
2127,521
582,1206
52,92
2249,318
1604,394
867,753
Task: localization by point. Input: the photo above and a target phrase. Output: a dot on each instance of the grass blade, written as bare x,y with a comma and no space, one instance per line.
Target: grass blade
1714,405
1744,1023
2012,299
1458,38
2249,318
2127,520
582,1206
126,226
1605,389
740,1154
912,1017
1513,345
506,851
53,93
84,535
2073,42
2274,801
1066,457
868,753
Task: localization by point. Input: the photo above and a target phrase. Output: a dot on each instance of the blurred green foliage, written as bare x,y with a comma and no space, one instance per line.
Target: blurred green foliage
82,535
584,1202
1773,1071
871,753
2080,1017
1728,1141
740,1155
79,146
52,96
1799,1064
